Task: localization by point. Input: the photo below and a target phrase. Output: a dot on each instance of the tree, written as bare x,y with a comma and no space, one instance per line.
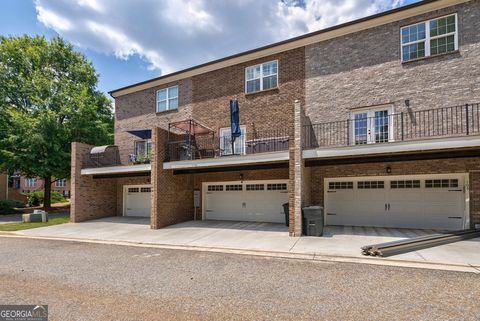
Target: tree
48,98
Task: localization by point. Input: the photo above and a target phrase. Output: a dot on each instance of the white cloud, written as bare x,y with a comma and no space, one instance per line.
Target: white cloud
175,34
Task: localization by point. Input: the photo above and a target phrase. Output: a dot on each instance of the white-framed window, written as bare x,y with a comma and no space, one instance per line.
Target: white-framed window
261,77
30,182
226,142
372,125
429,38
61,183
167,98
143,148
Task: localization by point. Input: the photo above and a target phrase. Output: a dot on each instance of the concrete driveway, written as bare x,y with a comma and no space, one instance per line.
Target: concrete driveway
251,236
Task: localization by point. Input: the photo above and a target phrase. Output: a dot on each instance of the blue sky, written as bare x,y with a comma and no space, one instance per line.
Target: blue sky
132,41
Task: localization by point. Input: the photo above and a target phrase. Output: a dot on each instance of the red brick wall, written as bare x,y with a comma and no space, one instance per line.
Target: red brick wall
91,198
172,196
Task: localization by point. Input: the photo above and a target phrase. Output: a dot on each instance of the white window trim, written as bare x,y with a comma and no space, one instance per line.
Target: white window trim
369,111
61,183
243,129
428,38
167,99
30,182
148,142
261,76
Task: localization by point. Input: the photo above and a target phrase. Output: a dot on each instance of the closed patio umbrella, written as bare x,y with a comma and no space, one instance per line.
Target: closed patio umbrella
235,122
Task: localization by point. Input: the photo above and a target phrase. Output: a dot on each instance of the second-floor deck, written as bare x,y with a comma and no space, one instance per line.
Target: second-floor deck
383,128
219,145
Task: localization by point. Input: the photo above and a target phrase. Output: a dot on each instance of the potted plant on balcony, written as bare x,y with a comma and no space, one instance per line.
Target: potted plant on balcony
143,158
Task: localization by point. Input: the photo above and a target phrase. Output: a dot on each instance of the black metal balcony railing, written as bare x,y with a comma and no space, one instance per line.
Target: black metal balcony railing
112,157
201,147
405,126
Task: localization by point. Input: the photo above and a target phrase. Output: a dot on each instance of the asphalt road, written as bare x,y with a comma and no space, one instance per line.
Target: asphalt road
81,281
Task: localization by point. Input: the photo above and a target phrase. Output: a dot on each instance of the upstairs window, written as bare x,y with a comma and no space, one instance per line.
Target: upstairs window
167,99
429,38
61,183
261,77
30,182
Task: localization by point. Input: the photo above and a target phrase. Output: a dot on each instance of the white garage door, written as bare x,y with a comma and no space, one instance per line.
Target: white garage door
137,200
257,201
425,202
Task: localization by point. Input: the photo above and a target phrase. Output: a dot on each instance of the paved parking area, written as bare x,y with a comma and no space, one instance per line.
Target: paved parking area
337,241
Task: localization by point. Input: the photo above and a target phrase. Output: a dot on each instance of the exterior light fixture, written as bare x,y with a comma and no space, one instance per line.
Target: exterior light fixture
389,170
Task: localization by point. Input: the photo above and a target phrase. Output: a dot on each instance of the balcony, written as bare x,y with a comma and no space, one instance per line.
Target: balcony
216,146
106,160
436,128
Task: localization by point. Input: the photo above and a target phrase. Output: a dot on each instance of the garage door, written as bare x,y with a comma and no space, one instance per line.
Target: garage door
137,200
257,201
425,202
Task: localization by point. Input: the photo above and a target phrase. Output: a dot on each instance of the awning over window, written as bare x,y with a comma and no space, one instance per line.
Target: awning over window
141,133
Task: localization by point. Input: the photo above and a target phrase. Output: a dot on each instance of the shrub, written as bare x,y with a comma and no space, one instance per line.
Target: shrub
8,206
36,198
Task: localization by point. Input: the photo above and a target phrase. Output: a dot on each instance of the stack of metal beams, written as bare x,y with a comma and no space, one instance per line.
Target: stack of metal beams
418,243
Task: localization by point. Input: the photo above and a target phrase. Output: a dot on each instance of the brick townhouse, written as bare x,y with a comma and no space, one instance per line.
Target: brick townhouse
377,120
22,184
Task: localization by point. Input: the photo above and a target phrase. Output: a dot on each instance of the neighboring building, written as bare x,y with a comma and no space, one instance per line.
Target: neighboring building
23,184
3,186
377,120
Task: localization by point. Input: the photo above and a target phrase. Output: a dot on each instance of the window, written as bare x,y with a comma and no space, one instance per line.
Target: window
143,149
255,187
145,189
370,184
30,182
234,187
261,77
226,142
133,190
167,99
340,185
405,184
429,38
216,188
61,183
372,126
277,187
441,183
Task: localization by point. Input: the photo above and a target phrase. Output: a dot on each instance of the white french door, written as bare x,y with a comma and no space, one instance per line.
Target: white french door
226,142
372,126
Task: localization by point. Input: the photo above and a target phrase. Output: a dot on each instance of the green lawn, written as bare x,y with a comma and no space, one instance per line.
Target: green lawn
25,226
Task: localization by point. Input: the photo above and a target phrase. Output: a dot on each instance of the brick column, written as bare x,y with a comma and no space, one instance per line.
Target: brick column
91,198
296,169
172,198
474,198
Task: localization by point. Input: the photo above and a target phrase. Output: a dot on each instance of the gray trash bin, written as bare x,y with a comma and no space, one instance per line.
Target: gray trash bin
286,208
313,220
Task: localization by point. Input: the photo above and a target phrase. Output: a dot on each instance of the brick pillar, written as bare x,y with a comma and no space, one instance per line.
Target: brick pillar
296,169
91,198
474,198
172,199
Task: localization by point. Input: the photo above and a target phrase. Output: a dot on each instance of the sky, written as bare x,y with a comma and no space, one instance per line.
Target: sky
129,41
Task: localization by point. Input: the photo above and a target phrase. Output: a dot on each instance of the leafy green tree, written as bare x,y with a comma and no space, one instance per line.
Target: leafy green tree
48,98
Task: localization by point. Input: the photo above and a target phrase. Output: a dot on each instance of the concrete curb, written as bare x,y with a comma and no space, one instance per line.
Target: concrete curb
315,257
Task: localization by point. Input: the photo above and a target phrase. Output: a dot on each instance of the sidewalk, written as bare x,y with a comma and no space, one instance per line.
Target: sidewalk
338,243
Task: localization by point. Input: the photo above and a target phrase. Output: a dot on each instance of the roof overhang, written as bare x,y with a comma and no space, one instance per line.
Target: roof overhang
394,147
297,42
228,161
115,170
